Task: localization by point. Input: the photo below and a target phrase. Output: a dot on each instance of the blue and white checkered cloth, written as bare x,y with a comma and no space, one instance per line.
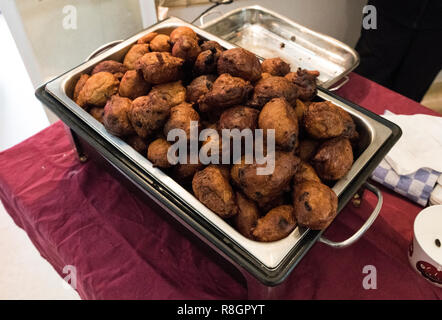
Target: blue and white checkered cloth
416,186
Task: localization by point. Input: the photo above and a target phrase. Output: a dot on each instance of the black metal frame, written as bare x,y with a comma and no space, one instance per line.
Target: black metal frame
153,188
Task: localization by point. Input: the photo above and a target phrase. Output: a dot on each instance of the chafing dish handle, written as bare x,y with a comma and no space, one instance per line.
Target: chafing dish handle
340,84
355,237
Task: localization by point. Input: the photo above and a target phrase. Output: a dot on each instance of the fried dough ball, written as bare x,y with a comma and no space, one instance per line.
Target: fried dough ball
98,89
182,32
265,75
116,116
323,121
349,125
79,85
173,92
135,53
138,143
185,171
157,153
315,205
300,110
149,114
186,48
277,114
305,80
210,45
161,43
273,87
227,91
146,39
97,113
240,118
333,159
305,172
275,67
199,87
213,189
265,188
307,149
180,118
240,62
133,85
159,67
247,218
277,224
116,68
207,61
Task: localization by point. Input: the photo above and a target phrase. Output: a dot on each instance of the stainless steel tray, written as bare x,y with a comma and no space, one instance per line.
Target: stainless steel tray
269,35
269,262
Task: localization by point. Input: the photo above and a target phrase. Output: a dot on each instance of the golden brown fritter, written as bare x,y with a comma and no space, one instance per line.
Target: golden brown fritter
135,53
97,90
240,62
323,121
97,113
116,116
305,81
157,153
247,218
213,189
307,149
182,32
300,109
184,172
173,92
265,188
273,87
275,67
240,118
305,172
186,48
227,91
315,205
161,43
133,85
180,118
138,143
207,61
146,39
277,114
333,159
79,85
199,87
116,68
149,114
349,125
210,45
160,67
277,224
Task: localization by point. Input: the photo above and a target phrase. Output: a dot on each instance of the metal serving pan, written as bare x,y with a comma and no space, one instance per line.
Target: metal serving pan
270,263
269,35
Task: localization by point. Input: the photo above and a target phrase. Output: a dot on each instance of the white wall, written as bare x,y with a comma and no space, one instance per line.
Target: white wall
57,49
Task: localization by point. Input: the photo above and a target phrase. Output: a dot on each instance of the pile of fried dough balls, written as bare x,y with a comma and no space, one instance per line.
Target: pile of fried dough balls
166,81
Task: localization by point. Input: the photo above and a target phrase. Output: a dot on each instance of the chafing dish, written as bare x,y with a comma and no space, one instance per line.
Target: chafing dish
270,263
269,34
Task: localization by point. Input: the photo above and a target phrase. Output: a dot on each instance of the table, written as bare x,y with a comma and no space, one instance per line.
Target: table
77,214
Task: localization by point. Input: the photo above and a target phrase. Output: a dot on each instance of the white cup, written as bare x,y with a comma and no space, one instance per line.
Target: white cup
425,251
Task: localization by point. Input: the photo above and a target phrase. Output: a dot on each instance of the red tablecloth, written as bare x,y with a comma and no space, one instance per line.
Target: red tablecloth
77,214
